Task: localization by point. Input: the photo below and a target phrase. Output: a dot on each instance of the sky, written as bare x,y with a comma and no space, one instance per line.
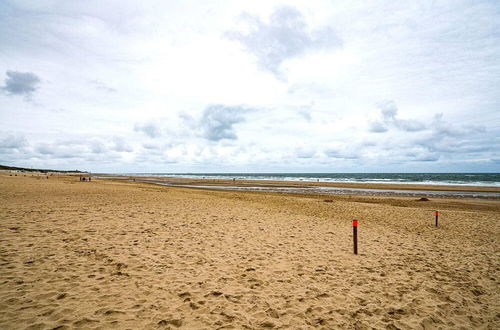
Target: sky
250,86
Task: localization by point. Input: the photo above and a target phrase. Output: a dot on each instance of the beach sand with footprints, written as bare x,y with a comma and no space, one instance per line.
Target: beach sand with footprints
127,255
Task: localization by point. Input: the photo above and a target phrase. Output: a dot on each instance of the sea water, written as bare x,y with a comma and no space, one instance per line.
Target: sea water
470,179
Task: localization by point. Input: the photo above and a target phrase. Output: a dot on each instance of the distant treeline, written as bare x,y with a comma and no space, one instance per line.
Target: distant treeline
12,168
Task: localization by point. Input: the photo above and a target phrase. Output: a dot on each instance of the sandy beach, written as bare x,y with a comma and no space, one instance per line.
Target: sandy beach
116,254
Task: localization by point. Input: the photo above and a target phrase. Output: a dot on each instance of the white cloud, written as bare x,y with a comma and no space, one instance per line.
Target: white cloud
286,36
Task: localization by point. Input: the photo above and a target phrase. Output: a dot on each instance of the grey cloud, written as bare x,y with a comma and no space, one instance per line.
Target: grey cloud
423,157
306,112
45,149
368,143
409,125
58,110
218,120
443,128
97,147
99,85
58,150
388,109
188,121
120,145
88,149
389,112
150,129
151,146
285,36
17,150
378,127
443,139
305,153
21,83
69,155
343,153
13,142
456,145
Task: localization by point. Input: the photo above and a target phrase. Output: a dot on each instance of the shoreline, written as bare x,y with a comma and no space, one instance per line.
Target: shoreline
363,189
280,177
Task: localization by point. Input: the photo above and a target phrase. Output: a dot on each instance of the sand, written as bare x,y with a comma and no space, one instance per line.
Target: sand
110,254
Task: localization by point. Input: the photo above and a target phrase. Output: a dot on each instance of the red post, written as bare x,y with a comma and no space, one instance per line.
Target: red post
355,235
437,215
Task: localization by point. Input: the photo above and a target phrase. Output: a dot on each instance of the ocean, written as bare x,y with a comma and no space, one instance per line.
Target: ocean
469,179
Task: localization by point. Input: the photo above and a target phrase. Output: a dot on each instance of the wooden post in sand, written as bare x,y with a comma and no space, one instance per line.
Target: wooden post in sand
437,215
355,235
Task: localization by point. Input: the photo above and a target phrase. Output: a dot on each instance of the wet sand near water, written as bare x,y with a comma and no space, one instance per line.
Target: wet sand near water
436,191
271,183
119,254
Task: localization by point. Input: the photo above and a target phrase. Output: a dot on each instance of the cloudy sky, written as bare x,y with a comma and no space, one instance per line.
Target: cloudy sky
259,86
